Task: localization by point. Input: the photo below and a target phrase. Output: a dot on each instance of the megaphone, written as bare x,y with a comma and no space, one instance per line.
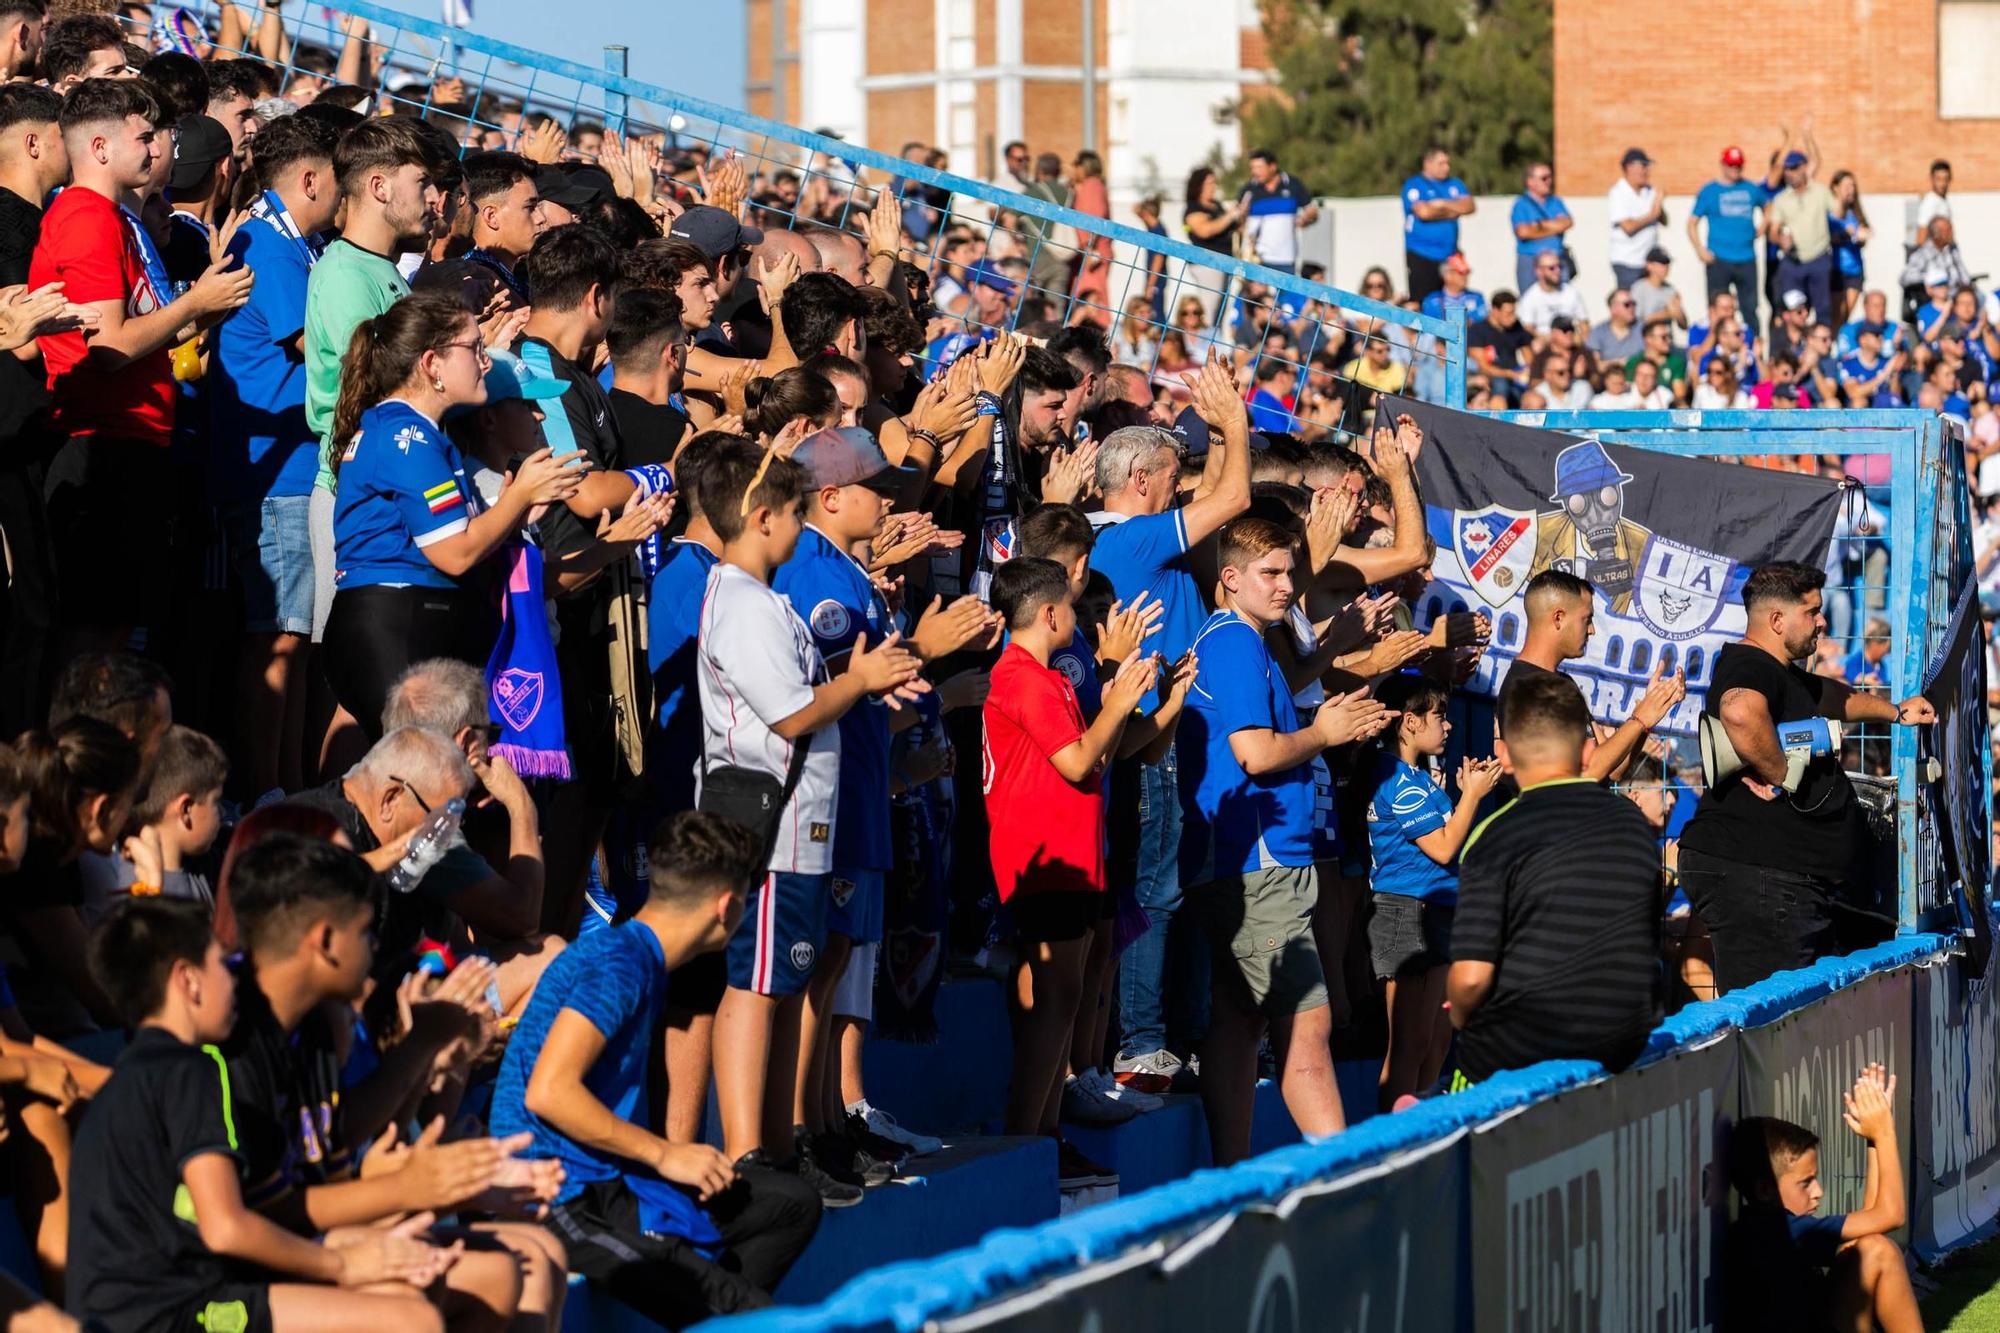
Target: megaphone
1802,741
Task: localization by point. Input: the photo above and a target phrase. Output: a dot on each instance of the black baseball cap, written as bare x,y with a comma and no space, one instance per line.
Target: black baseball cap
716,232
1634,155
199,143
555,185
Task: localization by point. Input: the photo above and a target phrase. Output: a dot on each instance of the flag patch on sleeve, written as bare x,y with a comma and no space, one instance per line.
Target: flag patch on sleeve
443,496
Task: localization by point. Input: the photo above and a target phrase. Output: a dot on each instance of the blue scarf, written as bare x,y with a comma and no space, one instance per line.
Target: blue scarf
524,688
650,479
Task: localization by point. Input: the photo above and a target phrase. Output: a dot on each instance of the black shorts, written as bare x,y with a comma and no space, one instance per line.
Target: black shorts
374,634
111,529
696,986
1056,916
1408,935
232,1307
1852,282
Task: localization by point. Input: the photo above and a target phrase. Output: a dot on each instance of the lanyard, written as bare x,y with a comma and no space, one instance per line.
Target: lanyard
272,209
149,259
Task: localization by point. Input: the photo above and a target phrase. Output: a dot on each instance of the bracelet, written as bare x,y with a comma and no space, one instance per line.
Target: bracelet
988,404
141,889
932,438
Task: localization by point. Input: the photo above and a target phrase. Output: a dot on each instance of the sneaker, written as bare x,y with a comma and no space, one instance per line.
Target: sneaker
1151,1073
846,1160
833,1193
874,1145
1123,1094
881,1122
1083,1103
1074,1171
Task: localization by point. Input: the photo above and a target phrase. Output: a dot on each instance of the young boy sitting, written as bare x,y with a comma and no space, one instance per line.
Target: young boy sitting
1414,836
1787,1268
1556,942
671,1229
1044,780
176,819
160,1235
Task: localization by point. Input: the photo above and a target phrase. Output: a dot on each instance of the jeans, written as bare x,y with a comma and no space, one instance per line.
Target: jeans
1627,276
1815,279
1761,919
1740,278
1167,952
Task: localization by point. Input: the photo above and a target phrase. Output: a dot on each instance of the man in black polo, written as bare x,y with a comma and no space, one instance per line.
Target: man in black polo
1770,845
1555,947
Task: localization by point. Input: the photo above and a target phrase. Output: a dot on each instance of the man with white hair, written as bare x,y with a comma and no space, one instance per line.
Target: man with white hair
502,907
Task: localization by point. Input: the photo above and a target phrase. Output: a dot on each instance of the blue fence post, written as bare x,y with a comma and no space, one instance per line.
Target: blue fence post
1912,510
616,63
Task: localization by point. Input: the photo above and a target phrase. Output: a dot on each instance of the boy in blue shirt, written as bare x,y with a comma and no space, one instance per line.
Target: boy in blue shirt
1867,377
1790,1269
671,1229
1248,797
1414,835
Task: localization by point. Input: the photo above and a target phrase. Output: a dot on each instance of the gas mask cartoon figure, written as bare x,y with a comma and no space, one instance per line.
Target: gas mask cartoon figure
1589,535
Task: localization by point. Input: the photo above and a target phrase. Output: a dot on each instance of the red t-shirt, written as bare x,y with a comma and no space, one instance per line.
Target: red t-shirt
86,245
1047,834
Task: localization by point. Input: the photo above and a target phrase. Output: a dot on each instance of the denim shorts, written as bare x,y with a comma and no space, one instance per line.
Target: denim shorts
1408,935
270,544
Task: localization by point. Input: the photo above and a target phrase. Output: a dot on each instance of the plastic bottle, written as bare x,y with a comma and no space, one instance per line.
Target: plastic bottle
427,846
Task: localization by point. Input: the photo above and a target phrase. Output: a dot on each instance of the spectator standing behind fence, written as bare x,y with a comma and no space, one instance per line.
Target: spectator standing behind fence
1433,202
1766,852
1637,209
1936,203
1275,206
1729,206
1555,944
1540,219
1798,223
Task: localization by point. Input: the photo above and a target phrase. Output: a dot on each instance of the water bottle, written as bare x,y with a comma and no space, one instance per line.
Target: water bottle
427,846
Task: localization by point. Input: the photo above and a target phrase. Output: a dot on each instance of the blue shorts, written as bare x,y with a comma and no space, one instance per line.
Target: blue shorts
782,933
856,903
270,544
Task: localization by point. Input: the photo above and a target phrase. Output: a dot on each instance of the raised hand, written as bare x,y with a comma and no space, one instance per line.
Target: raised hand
1477,777
544,143
885,226
1128,627
1663,693
1216,399
1871,1106
1355,716
550,479
943,630
888,669
1135,677
1000,361
1071,474
774,276
1409,435
1327,522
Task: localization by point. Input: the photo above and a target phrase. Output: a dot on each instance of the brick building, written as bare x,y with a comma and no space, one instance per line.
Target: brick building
971,75
1889,87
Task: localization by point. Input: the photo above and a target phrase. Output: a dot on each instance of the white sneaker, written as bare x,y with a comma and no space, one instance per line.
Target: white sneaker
1084,1104
1123,1095
882,1123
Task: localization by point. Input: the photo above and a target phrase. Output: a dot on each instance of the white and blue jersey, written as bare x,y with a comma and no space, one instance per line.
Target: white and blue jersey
1149,553
1430,240
837,600
1408,803
1233,823
402,487
1272,217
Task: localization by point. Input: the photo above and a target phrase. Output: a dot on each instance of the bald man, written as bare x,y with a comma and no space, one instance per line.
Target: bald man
841,253
1562,617
741,312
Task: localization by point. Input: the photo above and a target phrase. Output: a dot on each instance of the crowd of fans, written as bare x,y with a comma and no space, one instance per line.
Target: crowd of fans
501,618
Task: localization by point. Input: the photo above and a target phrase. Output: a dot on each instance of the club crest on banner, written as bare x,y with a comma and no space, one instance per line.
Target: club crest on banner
1496,547
1680,588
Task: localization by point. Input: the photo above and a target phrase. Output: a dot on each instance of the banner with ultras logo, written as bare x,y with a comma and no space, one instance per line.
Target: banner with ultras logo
1667,540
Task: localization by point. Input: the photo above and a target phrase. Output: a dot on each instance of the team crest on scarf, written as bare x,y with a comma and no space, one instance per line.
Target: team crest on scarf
518,696
1496,546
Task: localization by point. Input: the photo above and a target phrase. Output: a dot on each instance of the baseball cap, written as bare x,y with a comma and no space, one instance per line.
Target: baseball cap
1634,155
1951,328
1563,323
596,180
1795,299
1794,159
1732,156
1935,276
1658,255
716,232
199,143
849,456
553,184
1193,432
510,377
984,274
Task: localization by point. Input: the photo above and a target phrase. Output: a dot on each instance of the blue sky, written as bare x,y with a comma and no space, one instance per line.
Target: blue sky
691,46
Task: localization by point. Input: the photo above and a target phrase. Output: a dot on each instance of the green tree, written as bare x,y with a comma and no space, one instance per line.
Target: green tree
1365,86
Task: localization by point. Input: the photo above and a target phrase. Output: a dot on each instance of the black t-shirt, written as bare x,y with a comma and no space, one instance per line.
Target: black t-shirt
136,1259
1561,891
1774,1277
1507,343
1808,831
23,387
44,881
650,431
1223,242
286,1101
1523,670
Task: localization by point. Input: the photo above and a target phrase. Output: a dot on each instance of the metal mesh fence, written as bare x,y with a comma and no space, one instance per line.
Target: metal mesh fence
994,260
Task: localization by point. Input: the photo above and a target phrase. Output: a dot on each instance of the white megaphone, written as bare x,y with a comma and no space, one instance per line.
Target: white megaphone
1802,742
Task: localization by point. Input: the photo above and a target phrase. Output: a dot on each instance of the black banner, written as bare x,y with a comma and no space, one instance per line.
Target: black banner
1955,684
1668,541
1954,1106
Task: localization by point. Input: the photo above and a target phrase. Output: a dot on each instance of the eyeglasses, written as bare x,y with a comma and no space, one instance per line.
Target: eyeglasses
1628,301
478,350
415,795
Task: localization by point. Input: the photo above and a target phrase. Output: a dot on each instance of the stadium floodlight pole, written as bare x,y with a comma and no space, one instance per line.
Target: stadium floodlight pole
1089,64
